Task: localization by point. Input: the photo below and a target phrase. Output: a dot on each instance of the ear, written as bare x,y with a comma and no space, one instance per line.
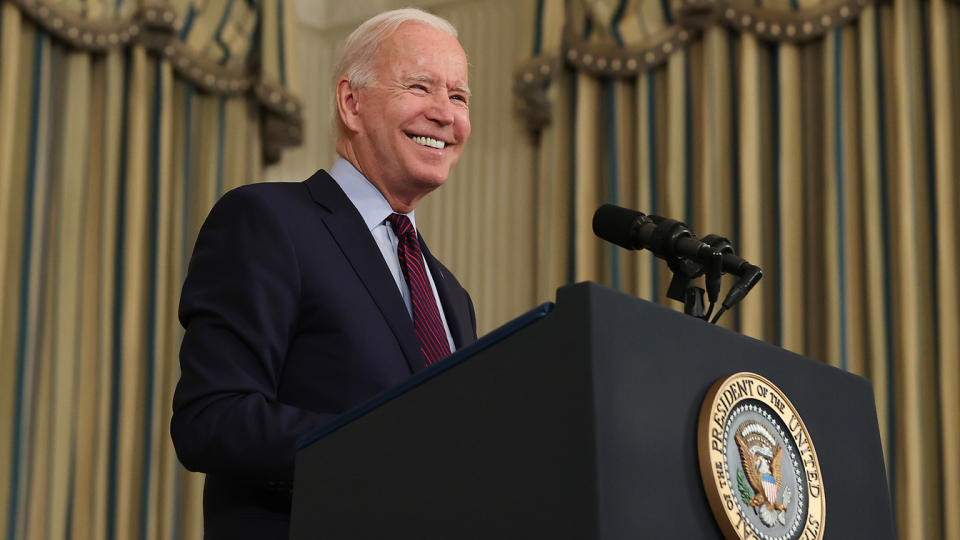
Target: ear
348,106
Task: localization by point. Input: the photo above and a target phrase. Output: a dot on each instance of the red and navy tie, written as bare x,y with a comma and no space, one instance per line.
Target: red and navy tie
426,316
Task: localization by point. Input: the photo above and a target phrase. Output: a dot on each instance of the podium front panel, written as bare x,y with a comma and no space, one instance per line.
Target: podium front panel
582,426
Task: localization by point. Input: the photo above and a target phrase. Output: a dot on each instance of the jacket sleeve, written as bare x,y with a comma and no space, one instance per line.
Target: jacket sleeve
239,308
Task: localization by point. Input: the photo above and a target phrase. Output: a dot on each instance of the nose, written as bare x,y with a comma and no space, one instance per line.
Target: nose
440,109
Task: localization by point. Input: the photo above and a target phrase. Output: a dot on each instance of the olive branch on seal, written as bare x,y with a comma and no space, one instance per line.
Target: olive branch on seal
746,493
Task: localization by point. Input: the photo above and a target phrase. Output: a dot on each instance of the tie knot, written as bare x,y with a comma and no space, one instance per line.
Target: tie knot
401,224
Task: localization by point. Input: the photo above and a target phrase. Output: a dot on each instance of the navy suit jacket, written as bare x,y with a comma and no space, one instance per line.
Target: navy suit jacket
291,317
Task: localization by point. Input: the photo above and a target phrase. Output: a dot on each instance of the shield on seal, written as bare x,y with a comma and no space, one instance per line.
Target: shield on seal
770,488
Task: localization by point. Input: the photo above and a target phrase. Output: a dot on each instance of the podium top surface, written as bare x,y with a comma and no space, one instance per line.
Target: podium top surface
485,342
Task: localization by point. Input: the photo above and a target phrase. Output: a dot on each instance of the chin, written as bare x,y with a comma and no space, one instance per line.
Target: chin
432,178
427,185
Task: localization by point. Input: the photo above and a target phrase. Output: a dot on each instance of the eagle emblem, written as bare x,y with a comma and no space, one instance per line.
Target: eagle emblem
762,460
759,468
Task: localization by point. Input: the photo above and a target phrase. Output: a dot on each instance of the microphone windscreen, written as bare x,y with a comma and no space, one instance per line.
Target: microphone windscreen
615,224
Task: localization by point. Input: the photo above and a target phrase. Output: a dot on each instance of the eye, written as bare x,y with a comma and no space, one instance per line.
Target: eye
459,97
418,87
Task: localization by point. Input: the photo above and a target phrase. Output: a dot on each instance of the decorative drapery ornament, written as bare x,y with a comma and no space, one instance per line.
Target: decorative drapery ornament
229,60
622,39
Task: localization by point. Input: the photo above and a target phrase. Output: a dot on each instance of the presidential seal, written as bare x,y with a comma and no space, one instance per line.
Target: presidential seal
759,467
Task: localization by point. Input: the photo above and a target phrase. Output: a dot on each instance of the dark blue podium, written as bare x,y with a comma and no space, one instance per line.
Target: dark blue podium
576,421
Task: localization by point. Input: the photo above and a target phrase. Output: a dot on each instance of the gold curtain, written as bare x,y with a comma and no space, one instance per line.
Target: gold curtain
821,137
120,124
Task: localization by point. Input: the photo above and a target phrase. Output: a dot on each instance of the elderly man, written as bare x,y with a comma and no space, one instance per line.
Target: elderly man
305,299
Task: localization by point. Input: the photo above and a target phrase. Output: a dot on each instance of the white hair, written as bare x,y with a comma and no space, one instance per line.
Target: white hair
360,49
359,54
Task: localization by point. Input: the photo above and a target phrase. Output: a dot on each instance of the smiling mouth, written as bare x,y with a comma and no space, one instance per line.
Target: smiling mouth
428,142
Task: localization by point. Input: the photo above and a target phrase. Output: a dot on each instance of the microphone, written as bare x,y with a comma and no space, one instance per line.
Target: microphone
618,225
749,274
750,277
666,238
673,241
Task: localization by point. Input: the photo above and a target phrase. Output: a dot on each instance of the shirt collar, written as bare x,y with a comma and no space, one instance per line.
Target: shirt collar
371,204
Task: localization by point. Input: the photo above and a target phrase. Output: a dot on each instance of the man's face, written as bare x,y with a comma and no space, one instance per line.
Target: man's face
415,120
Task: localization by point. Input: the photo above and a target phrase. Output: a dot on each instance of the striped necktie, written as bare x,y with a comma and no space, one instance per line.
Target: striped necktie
426,316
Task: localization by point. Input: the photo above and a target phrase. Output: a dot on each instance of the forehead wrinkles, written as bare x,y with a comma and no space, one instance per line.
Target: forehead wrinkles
419,49
432,63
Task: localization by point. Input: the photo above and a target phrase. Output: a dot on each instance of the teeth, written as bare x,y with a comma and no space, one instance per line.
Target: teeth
427,141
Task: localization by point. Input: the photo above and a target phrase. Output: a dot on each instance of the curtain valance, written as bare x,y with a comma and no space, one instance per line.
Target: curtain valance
622,38
223,48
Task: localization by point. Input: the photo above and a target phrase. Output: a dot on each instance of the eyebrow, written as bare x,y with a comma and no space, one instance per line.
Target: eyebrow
431,81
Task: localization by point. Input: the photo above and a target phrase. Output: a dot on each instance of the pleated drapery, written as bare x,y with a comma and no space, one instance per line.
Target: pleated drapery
821,137
120,125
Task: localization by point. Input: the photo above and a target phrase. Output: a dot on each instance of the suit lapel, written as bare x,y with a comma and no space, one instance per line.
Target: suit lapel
458,319
350,233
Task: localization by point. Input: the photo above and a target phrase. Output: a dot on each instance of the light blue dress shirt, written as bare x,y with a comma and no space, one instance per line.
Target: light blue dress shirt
375,209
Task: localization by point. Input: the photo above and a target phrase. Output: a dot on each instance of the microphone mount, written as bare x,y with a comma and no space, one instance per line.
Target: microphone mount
687,257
